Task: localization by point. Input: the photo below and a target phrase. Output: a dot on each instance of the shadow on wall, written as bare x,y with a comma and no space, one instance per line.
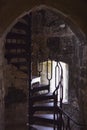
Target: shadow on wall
14,95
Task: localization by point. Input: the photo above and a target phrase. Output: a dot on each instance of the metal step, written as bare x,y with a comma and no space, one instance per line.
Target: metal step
45,118
19,63
17,36
39,87
11,55
24,70
13,46
21,25
42,97
45,107
39,127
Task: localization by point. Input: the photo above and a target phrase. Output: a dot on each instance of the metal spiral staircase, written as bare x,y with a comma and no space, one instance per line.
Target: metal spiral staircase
44,109
45,105
18,53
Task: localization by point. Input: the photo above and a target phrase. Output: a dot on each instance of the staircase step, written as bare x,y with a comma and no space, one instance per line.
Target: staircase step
11,55
39,127
19,63
13,35
40,87
44,107
24,70
42,97
45,118
10,46
21,25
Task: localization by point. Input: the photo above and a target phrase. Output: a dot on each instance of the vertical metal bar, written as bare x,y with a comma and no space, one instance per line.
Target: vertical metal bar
61,86
40,67
49,77
57,72
55,114
68,124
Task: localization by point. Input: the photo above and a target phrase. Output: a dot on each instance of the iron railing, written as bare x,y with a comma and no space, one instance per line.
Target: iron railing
65,122
58,88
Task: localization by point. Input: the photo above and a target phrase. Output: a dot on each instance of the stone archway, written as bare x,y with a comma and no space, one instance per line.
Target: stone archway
57,38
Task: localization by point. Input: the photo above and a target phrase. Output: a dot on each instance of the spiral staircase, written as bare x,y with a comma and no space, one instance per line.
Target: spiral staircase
44,107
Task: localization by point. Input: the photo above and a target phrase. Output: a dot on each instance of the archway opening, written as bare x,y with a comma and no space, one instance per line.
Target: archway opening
49,34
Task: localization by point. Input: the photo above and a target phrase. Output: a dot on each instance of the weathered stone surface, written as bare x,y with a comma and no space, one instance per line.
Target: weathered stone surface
2,90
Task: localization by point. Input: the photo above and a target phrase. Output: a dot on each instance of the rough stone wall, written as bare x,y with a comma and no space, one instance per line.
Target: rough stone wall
2,92
14,78
15,108
83,80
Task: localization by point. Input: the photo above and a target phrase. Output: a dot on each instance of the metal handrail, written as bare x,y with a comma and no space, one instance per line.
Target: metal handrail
69,119
65,113
60,82
57,88
55,93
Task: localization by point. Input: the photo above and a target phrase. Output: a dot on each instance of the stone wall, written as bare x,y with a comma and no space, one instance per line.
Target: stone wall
2,90
83,80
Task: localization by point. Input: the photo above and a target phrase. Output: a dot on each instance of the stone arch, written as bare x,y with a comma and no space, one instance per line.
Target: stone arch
73,27
67,38
70,22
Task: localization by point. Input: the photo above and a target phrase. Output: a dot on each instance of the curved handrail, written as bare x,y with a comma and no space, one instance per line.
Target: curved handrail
60,82
68,123
57,88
